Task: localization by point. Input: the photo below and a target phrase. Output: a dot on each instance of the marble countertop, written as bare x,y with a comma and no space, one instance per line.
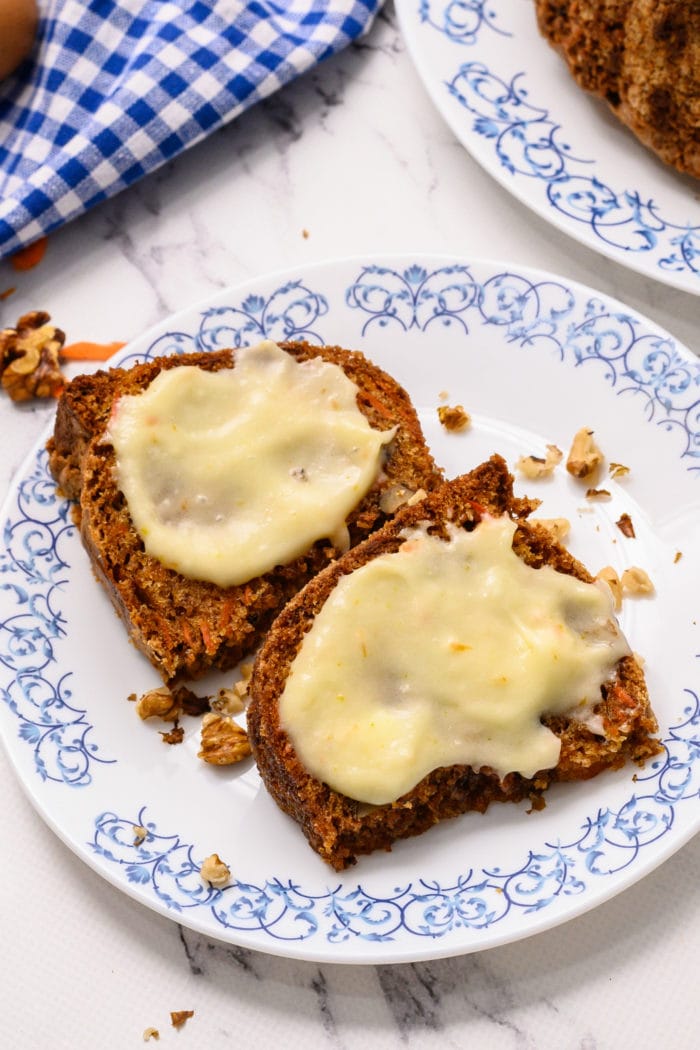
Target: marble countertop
350,160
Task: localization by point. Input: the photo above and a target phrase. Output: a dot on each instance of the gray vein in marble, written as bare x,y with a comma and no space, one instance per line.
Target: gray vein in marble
281,112
118,230
243,958
319,986
386,20
194,966
411,997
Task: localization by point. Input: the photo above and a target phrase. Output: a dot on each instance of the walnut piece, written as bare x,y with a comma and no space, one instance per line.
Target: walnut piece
417,497
224,742
151,1033
454,418
636,583
158,703
534,467
597,494
215,871
584,456
178,1017
29,358
618,470
140,834
230,701
393,497
609,576
558,528
624,524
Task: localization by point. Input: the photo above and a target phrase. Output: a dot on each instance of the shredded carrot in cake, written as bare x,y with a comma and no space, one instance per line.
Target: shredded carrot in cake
376,404
206,634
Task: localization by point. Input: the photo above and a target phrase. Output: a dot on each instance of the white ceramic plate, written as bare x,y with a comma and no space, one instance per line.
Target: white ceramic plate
533,358
510,100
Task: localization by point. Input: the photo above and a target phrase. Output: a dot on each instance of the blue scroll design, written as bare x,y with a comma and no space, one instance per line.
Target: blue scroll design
548,316
461,20
291,312
281,910
33,571
529,143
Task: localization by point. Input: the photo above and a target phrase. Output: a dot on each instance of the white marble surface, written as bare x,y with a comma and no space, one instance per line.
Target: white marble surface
351,160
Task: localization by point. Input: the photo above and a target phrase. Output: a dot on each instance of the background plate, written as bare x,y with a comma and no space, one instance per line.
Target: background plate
533,357
510,100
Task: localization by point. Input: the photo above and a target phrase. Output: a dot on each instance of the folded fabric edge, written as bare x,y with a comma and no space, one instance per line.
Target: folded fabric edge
83,177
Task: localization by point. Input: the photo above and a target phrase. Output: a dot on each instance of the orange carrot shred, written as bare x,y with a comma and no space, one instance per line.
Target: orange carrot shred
227,607
8,292
206,634
377,404
29,257
84,351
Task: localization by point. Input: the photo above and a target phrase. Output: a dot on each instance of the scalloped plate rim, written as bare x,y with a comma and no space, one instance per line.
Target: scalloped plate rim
310,950
405,11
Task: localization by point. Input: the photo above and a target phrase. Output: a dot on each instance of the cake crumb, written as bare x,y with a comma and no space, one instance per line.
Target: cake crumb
618,470
151,1033
454,418
140,834
188,702
597,494
174,736
178,1017
677,557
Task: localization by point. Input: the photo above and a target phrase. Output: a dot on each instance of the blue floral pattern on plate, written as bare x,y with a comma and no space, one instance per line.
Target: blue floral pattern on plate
544,314
530,144
33,570
608,843
530,312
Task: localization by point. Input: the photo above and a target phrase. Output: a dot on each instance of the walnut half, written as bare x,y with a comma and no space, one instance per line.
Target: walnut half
215,871
29,357
224,742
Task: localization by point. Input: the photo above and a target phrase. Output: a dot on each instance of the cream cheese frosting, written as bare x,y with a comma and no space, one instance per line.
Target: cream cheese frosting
442,653
230,473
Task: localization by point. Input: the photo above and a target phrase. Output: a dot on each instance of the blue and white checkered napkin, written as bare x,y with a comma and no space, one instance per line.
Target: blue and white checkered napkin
115,88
